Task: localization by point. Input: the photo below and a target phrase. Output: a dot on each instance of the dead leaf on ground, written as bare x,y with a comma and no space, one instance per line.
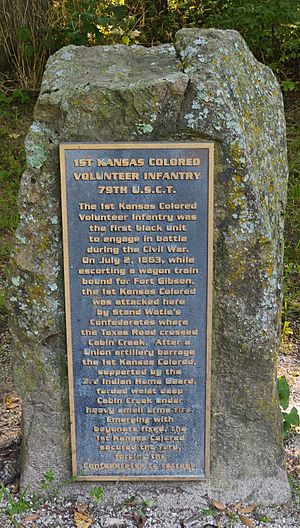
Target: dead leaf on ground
82,520
16,488
31,517
139,520
81,508
245,520
219,505
237,505
247,509
11,402
11,406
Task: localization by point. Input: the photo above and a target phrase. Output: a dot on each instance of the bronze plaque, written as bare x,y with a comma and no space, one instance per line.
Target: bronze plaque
137,231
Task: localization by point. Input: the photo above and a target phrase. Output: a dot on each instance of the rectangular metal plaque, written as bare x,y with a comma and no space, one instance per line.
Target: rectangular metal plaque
137,231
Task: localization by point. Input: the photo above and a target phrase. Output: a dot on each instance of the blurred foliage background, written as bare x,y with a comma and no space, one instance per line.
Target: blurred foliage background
30,30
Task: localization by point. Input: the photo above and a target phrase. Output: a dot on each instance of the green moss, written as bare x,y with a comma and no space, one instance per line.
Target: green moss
237,270
235,197
78,100
236,154
267,408
44,244
36,293
30,379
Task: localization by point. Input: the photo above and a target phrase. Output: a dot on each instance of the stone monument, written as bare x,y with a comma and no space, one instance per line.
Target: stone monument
206,88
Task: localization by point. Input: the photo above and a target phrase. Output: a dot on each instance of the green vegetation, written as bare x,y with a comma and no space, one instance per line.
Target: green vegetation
291,307
290,419
23,28
138,507
230,514
271,28
12,128
14,507
20,502
15,115
97,493
47,479
32,29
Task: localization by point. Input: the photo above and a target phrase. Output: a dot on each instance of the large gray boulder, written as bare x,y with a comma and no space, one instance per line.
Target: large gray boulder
209,87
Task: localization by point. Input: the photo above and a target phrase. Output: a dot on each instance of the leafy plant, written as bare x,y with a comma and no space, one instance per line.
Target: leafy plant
15,506
47,479
291,305
271,28
286,332
50,487
139,506
283,392
288,85
22,34
209,512
21,503
291,418
91,22
97,493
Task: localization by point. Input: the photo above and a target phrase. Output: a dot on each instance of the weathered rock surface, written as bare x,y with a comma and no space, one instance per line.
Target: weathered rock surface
211,88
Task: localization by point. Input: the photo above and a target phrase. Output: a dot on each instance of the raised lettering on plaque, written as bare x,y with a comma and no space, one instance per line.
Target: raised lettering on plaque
137,228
